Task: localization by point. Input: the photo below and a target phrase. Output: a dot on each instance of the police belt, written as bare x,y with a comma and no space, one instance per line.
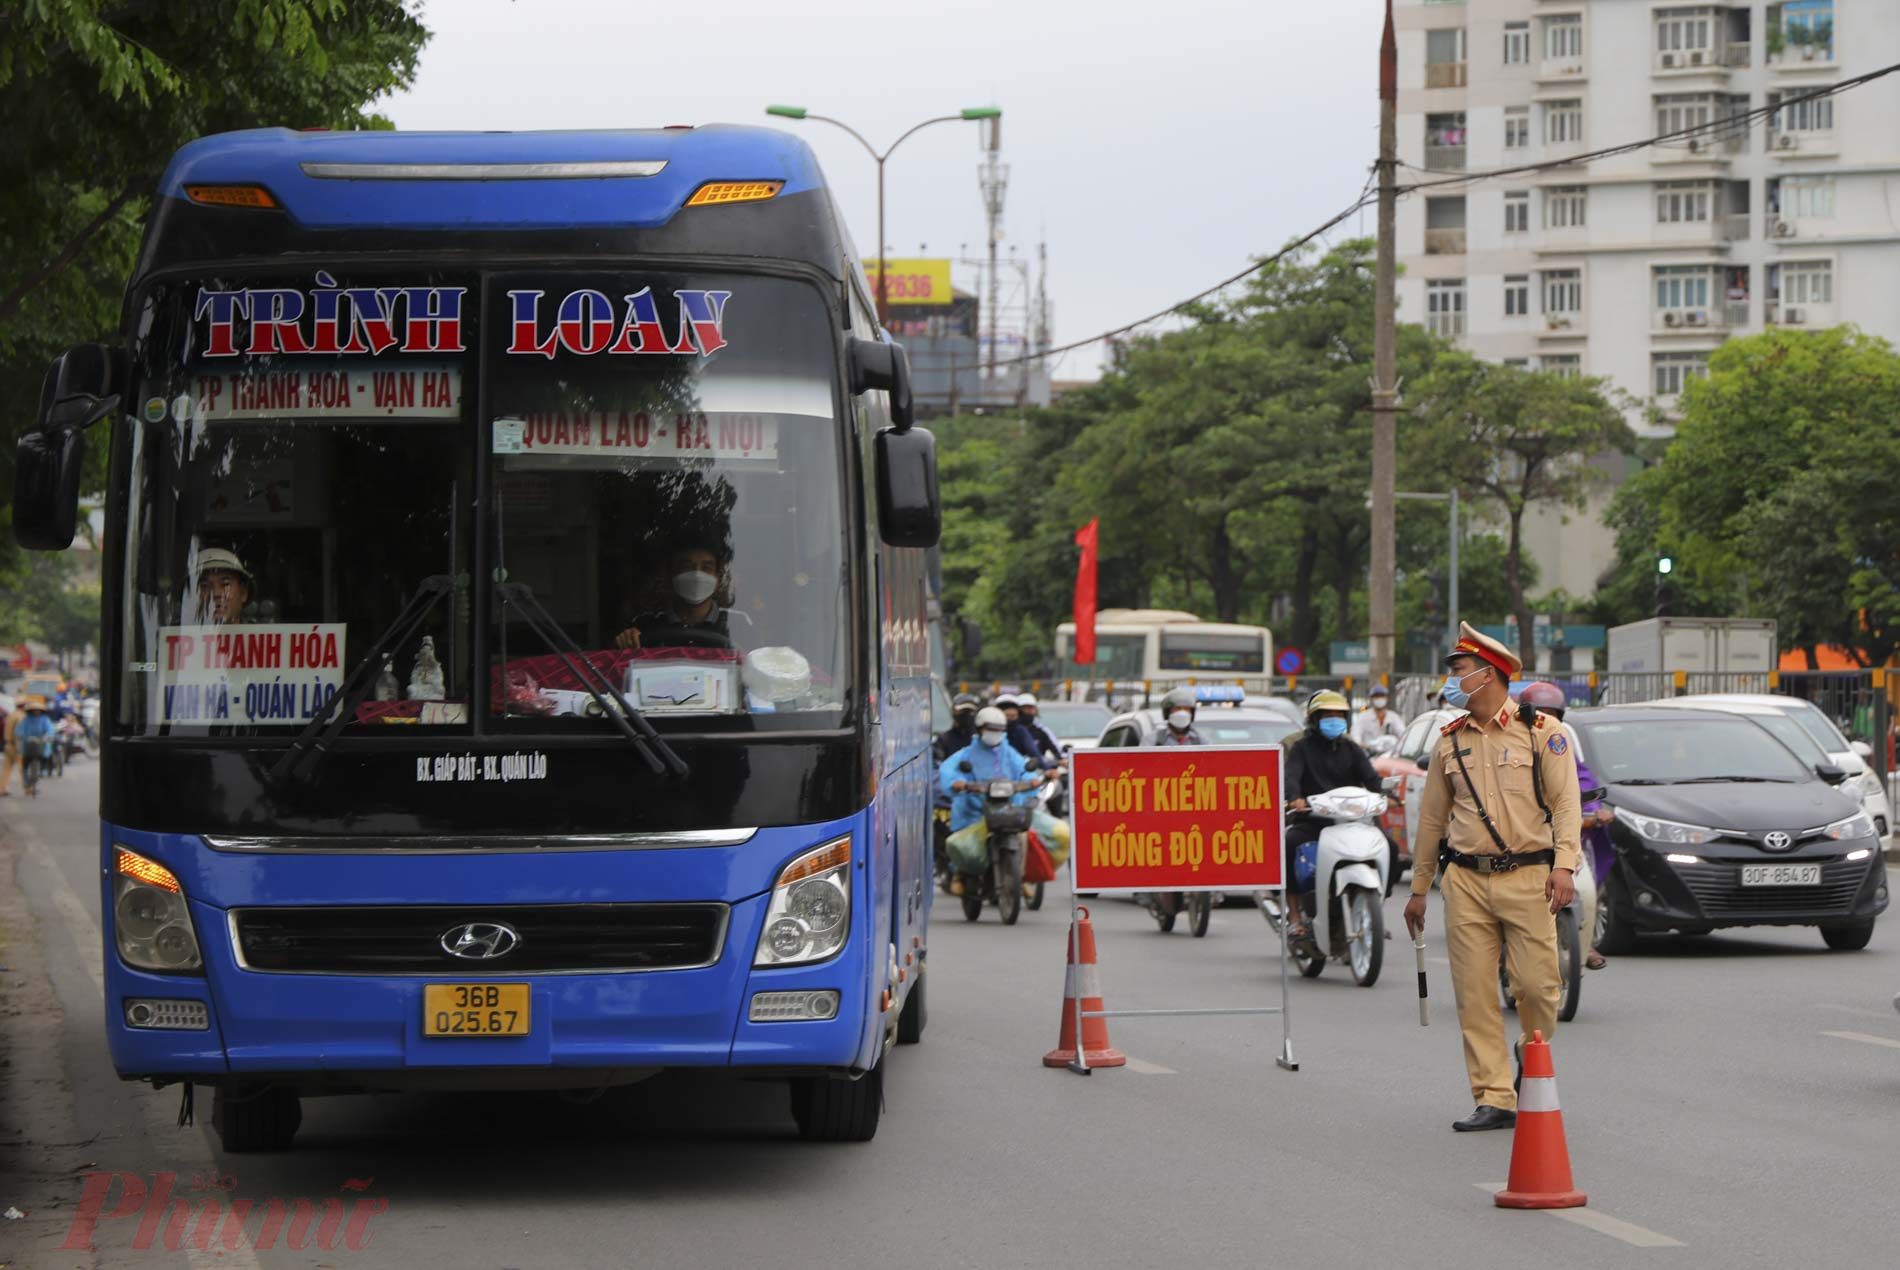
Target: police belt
1497,863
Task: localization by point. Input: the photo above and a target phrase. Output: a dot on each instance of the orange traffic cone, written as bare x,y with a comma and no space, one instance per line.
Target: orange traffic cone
1540,1162
1084,981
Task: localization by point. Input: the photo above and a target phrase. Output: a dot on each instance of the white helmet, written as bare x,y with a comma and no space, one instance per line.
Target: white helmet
1025,699
1004,699
991,717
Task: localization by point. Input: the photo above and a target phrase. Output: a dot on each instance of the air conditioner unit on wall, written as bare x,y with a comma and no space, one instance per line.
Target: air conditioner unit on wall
1669,60
1695,58
1794,317
1695,317
1672,318
1787,141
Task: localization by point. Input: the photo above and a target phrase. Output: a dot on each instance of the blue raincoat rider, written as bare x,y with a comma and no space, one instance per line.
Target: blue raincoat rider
991,758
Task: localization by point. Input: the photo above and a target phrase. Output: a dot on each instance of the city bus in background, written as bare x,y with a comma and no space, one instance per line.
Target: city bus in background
1165,646
516,658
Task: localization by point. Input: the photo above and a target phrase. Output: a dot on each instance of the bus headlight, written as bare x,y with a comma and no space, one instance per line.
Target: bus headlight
810,912
150,919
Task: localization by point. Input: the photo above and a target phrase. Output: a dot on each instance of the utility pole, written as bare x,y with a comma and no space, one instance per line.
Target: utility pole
994,178
1385,369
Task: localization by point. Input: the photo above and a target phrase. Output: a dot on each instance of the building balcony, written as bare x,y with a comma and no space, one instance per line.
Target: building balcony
1445,158
1564,326
1804,57
1803,145
1560,70
1736,226
1444,242
1738,56
1713,148
1723,315
1690,61
1444,75
1779,314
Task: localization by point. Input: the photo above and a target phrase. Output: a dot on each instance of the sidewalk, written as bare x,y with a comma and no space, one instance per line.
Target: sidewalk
42,1160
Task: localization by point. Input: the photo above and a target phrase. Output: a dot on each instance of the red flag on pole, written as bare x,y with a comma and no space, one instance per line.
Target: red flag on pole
1087,538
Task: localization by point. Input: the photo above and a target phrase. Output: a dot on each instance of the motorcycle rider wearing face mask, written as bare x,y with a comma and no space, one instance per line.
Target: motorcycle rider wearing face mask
990,757
1322,759
1178,711
694,575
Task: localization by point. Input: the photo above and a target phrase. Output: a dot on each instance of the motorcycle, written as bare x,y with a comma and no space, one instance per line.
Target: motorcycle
1347,892
1165,906
36,761
1006,828
73,739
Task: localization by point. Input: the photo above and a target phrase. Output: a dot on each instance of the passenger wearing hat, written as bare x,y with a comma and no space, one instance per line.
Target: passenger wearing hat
29,721
1501,803
962,729
1377,719
224,586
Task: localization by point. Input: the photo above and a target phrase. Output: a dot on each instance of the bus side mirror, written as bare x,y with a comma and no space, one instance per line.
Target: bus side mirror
875,364
82,387
908,512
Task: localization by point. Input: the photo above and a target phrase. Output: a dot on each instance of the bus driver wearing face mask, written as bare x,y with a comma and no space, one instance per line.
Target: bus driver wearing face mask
694,578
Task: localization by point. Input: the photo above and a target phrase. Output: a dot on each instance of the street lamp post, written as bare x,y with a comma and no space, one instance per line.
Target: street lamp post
1451,585
968,113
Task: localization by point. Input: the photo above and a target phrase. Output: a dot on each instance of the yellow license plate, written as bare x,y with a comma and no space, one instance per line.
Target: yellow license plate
475,1009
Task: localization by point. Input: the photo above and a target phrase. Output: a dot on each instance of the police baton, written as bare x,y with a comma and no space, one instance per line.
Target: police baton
1424,1005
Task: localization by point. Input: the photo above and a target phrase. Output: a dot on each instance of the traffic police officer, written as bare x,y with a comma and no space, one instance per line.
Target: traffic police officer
1501,796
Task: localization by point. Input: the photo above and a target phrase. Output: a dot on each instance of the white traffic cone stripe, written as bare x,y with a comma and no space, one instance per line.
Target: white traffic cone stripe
1082,981
1538,1094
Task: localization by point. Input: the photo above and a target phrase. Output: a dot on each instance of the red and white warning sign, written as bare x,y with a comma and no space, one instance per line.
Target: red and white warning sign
1183,818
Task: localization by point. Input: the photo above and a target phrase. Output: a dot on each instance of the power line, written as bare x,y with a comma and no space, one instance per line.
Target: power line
1744,121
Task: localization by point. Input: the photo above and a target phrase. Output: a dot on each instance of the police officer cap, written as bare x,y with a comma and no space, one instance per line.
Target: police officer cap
1474,643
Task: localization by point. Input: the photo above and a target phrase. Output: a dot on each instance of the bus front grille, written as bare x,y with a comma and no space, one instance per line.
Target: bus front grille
541,938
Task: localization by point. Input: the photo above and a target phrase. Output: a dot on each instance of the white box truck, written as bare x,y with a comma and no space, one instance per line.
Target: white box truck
1664,645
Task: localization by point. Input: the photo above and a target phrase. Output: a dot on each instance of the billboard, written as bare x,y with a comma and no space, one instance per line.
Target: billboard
912,282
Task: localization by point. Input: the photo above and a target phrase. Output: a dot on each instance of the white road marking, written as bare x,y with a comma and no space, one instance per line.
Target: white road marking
1865,1039
1854,1009
161,1122
1150,1069
1604,1224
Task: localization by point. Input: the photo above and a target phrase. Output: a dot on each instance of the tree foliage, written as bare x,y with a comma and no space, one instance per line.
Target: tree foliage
1228,462
1782,485
1515,437
97,94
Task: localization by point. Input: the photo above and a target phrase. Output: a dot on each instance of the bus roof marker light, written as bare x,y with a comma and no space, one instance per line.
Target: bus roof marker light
716,192
231,196
135,866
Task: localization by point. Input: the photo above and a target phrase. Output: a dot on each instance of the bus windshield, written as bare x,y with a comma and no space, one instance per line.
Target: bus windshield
660,497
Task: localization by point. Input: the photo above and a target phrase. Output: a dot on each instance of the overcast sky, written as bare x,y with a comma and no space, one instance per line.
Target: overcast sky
1155,147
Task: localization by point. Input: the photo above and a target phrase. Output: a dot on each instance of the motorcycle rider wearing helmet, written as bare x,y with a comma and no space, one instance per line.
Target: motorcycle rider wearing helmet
990,758
1322,759
1029,736
1549,699
1178,708
962,729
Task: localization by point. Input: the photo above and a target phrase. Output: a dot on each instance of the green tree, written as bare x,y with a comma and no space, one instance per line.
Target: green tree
1514,438
1784,481
97,94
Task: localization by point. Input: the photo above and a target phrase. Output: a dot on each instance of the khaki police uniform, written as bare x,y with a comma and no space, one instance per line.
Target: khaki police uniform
1486,911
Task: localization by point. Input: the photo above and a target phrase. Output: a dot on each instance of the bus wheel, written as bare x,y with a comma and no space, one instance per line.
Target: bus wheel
256,1120
911,1019
828,1109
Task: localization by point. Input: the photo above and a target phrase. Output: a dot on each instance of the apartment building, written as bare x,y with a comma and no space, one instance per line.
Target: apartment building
1636,267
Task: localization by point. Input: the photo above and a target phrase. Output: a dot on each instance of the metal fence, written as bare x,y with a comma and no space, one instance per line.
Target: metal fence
1861,703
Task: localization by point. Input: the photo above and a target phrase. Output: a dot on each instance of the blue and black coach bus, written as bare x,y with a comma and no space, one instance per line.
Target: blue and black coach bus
517,668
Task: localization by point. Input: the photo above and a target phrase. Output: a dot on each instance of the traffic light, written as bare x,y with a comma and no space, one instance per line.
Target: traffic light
1664,591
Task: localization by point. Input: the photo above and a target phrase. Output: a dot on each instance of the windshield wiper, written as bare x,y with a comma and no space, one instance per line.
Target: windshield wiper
611,701
1724,780
316,736
1642,780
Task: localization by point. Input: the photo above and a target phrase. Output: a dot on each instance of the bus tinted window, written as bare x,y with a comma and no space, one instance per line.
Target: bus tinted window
1236,654
665,485
299,463
1116,657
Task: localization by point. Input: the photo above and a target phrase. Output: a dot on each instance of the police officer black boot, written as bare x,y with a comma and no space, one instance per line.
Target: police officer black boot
1484,1116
